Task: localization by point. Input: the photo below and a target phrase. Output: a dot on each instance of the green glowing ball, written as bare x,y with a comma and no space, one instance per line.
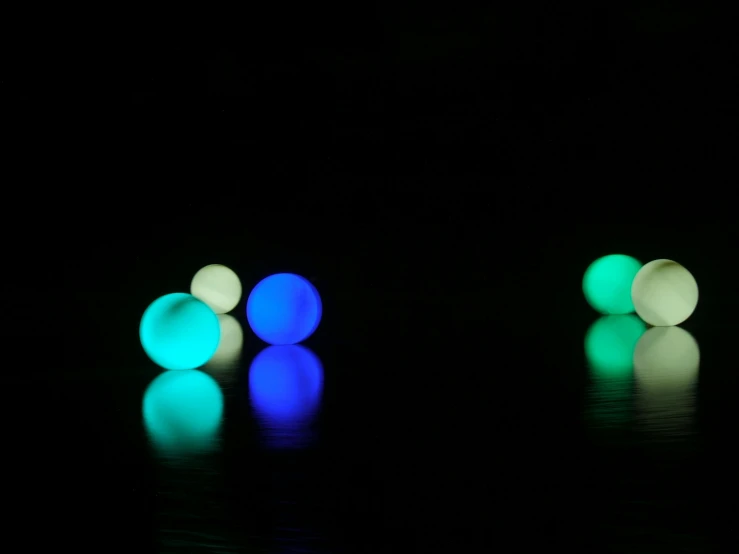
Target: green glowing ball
178,331
607,284
610,343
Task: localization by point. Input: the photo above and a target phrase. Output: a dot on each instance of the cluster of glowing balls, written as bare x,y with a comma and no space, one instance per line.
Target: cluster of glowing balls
284,309
183,411
218,286
662,292
185,331
178,331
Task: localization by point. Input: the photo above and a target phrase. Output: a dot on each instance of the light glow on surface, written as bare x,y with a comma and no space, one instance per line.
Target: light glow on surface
284,309
607,284
178,331
609,345
218,286
664,293
666,367
230,346
609,349
666,358
285,389
182,412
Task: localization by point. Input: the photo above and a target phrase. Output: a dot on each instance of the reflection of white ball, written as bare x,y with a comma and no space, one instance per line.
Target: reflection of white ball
664,293
666,358
217,286
232,341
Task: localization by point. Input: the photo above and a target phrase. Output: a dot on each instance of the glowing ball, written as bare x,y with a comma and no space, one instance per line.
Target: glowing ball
666,358
607,284
285,388
182,411
610,344
229,348
178,331
284,309
664,293
217,286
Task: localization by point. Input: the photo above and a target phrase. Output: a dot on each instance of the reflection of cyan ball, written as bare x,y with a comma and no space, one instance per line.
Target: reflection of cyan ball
217,286
182,411
178,331
607,283
232,341
664,293
666,358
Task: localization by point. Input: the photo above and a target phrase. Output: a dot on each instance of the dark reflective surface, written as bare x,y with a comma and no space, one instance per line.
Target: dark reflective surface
418,441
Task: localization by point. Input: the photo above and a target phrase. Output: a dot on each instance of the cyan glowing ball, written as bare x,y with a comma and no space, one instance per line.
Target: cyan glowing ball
182,411
610,344
607,284
285,389
284,309
178,331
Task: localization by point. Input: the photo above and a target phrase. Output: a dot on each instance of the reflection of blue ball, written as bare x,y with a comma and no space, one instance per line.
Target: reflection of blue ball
285,384
178,331
182,411
284,309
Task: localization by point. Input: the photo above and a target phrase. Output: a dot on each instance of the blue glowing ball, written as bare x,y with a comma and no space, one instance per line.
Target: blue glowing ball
178,331
285,385
284,309
182,411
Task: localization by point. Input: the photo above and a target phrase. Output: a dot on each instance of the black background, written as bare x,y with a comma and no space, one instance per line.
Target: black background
444,177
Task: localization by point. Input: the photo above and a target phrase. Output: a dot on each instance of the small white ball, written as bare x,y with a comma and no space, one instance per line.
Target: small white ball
218,286
664,293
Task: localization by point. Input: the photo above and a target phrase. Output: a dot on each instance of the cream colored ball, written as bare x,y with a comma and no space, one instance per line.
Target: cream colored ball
664,293
218,286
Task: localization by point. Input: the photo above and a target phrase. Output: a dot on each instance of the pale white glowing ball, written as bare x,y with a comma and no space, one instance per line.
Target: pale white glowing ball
666,358
664,293
229,349
218,286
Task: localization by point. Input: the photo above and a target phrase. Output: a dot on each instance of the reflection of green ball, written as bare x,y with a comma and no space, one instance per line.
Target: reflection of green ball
178,331
610,344
607,284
